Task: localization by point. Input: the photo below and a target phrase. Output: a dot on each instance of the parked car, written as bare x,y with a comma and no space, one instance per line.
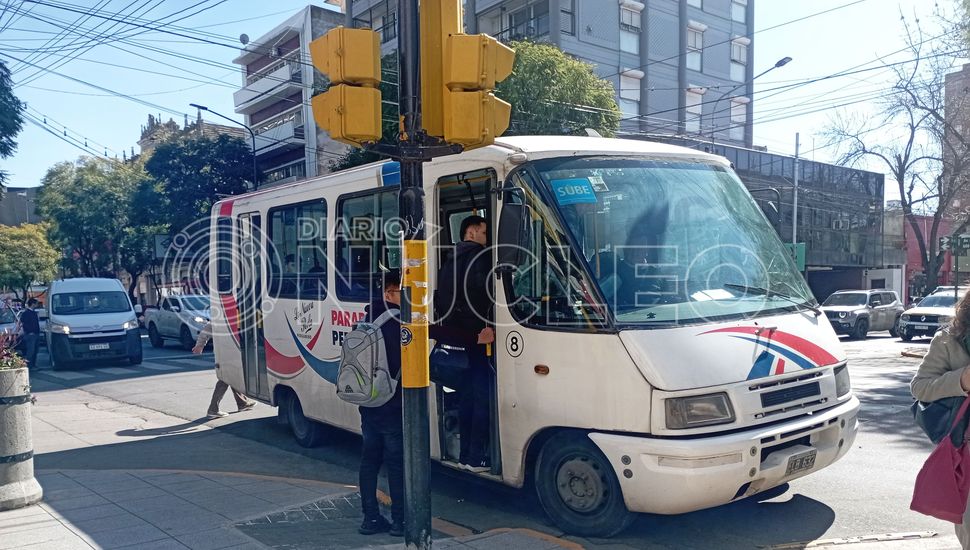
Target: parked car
857,312
930,315
9,318
177,318
91,319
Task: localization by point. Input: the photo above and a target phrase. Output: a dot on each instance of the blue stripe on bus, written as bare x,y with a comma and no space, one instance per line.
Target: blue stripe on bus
390,173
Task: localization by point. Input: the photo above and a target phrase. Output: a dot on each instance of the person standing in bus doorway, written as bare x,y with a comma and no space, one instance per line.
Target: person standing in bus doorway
242,402
382,427
30,324
463,301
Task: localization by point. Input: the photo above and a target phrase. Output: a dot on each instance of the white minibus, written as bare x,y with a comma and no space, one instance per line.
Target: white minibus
656,348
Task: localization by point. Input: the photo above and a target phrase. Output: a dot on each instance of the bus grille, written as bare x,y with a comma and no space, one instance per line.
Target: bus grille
787,395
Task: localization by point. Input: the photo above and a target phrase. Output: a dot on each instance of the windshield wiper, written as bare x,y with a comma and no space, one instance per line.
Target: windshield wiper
757,290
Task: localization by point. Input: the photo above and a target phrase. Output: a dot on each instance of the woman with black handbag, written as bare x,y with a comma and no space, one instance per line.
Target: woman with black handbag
944,374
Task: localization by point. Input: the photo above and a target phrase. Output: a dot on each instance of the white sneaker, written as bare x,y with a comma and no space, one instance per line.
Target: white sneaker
476,468
217,414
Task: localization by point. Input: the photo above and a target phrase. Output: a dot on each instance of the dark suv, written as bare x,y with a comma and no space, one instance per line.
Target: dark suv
856,312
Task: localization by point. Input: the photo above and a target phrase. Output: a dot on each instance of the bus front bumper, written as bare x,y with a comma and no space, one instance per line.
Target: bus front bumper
674,476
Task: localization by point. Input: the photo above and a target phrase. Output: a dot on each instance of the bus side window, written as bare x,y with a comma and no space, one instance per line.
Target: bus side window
224,255
367,243
298,259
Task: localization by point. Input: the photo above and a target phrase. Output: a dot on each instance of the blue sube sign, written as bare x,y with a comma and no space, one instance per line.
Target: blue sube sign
573,191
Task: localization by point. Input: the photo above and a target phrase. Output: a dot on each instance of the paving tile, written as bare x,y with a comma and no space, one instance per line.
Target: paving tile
181,521
75,515
78,502
118,538
289,496
109,523
75,543
57,495
192,486
129,495
162,480
160,367
17,525
39,537
214,539
166,544
26,511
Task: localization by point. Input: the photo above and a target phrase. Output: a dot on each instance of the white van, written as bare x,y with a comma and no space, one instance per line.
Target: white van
91,320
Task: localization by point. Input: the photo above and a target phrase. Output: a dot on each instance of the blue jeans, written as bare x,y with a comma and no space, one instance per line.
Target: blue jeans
474,408
383,445
30,349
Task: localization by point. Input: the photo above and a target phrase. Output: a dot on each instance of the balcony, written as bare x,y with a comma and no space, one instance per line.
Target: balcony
285,174
277,80
530,29
280,133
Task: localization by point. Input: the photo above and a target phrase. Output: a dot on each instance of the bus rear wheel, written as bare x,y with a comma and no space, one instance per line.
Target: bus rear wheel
578,489
306,432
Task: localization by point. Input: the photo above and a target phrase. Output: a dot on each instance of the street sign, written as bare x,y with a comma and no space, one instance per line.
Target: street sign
945,244
798,254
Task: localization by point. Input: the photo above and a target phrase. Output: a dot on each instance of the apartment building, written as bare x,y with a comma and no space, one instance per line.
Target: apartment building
278,80
681,67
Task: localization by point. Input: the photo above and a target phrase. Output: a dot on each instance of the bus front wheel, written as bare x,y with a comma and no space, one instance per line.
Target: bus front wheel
578,489
306,432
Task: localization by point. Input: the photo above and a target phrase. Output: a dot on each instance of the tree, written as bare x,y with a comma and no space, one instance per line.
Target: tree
87,203
917,136
11,118
550,92
554,94
26,256
194,172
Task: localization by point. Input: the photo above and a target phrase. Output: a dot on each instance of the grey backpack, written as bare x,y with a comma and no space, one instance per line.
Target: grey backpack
363,378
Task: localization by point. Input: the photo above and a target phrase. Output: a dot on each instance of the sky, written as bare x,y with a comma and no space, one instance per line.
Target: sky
161,73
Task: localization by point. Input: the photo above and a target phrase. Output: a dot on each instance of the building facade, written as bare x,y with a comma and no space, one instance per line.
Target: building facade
18,205
278,80
681,67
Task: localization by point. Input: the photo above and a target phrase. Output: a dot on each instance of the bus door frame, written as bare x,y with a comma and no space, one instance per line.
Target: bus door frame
251,339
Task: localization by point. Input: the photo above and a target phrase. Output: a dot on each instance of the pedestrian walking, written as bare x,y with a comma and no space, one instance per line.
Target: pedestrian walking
242,402
383,427
29,323
945,372
463,301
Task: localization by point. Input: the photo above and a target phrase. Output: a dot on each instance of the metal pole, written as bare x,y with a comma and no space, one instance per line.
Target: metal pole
794,215
414,323
252,134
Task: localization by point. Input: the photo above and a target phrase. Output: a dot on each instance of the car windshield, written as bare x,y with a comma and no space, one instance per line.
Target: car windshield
846,299
77,303
672,241
196,303
938,300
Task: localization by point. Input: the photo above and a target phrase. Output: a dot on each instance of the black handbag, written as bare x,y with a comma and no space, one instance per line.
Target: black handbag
937,418
448,365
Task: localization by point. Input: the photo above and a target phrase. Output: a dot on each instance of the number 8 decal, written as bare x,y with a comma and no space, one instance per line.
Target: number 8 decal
514,344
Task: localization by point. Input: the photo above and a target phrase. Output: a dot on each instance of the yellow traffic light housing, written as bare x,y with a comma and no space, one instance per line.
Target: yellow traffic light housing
473,64
350,110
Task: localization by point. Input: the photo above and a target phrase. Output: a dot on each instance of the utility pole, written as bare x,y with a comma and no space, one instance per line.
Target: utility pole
794,215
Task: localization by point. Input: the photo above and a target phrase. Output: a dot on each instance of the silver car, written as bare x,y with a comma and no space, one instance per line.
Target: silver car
856,312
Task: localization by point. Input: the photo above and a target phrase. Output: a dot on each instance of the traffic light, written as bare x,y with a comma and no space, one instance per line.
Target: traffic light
350,110
458,73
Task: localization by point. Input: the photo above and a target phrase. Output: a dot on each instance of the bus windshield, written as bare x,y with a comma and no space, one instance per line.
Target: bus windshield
672,241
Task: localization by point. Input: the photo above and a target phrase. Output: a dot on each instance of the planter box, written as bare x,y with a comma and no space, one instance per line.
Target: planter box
18,488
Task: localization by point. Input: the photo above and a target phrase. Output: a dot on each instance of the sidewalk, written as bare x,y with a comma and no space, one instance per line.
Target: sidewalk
187,508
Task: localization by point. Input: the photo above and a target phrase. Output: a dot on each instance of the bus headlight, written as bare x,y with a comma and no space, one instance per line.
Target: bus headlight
698,410
842,382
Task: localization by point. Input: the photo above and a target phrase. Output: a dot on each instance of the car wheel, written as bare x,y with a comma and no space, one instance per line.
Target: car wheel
57,361
894,330
154,337
135,359
578,488
306,432
905,336
185,337
861,329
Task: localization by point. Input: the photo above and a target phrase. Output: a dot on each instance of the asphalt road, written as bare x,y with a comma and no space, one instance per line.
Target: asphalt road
866,494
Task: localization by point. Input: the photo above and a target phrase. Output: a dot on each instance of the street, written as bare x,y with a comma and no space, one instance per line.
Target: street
862,499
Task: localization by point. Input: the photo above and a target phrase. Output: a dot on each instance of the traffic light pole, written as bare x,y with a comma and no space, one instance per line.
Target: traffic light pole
414,323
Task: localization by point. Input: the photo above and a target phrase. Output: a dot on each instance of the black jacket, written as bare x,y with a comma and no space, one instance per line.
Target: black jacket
391,333
462,299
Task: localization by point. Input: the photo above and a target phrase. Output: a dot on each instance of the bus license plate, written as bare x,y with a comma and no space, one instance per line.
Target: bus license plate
800,462
922,327
93,347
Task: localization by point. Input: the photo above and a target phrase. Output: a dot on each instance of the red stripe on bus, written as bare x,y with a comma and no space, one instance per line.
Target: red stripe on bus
225,209
232,315
313,341
282,364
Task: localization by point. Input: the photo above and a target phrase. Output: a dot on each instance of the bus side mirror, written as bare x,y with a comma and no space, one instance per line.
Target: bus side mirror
514,235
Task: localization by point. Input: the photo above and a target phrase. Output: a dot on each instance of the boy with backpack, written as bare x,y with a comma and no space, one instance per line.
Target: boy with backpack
383,426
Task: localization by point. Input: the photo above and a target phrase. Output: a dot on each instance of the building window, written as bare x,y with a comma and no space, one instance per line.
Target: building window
567,17
529,22
739,59
739,118
389,28
692,112
630,94
629,19
298,261
695,45
696,3
739,10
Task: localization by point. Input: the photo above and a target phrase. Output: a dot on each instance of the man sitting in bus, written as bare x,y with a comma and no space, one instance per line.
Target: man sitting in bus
383,427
